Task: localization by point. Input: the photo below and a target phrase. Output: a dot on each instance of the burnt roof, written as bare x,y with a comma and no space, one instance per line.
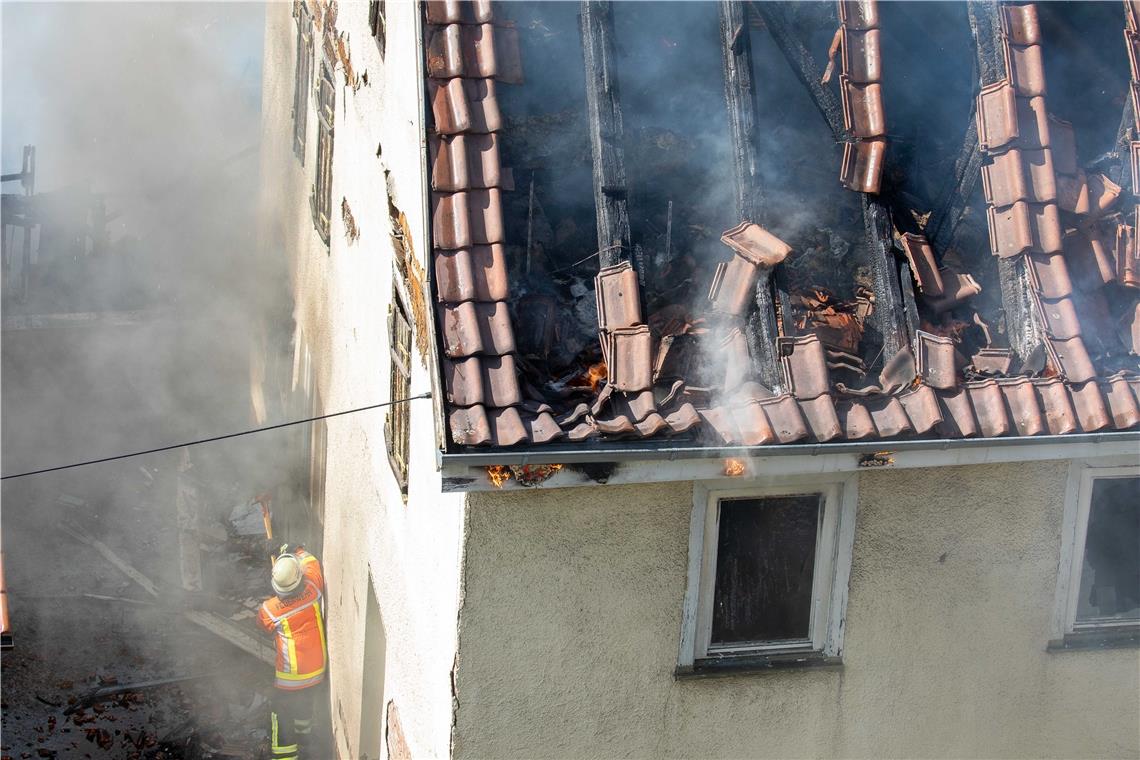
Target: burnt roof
671,369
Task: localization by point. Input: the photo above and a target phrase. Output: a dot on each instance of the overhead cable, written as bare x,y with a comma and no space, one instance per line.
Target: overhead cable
212,439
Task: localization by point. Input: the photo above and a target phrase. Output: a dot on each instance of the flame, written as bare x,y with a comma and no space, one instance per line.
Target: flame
734,468
498,474
596,374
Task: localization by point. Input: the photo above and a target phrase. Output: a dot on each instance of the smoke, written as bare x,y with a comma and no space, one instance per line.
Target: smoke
148,113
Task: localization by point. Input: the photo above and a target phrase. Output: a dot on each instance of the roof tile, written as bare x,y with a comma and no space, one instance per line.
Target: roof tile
458,11
1121,402
859,14
1041,181
805,366
1021,403
1071,359
862,57
733,288
862,167
863,114
1064,146
464,105
476,327
463,162
1073,192
619,300
1134,153
855,420
923,265
478,53
1003,179
958,419
1126,253
752,426
445,52
821,418
993,360
997,116
889,416
507,428
1051,274
1088,405
1019,22
1010,234
1103,193
934,356
1056,406
1035,130
478,273
1060,317
756,244
989,407
1134,89
958,288
629,357
921,406
785,418
461,220
469,426
1026,69
489,380
542,428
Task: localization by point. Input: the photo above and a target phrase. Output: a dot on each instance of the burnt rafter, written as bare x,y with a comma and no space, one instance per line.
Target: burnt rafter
606,132
740,99
985,28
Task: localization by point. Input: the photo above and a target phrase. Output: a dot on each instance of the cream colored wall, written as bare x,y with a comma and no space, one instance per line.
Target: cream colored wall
570,625
342,295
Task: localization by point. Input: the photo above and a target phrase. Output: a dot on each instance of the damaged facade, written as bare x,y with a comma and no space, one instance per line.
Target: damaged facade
709,269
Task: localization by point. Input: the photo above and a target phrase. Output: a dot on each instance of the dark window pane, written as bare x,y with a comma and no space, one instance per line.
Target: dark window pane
764,567
1110,578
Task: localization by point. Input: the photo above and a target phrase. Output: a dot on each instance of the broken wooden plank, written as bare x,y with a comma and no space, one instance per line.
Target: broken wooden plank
212,622
606,131
740,99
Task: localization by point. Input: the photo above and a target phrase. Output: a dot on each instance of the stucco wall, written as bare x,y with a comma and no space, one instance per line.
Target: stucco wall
342,294
569,632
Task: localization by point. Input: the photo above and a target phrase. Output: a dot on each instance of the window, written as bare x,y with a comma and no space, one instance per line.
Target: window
322,191
397,431
303,77
378,24
768,574
1099,579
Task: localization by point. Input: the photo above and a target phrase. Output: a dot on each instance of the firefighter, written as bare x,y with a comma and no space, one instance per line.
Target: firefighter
296,617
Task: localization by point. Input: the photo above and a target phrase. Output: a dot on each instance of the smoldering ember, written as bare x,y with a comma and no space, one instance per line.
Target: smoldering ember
472,379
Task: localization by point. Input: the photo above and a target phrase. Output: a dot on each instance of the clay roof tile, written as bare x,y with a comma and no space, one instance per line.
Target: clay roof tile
478,273
989,407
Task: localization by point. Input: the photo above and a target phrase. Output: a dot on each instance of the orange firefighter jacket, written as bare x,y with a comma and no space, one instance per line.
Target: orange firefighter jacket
299,625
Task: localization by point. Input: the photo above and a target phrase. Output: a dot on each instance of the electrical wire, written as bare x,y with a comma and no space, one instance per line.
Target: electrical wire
212,439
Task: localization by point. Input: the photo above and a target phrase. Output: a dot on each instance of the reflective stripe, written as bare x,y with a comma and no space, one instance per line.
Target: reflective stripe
321,629
293,663
278,750
289,682
277,618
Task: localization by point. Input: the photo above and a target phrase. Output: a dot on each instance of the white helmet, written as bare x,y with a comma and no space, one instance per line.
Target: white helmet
286,574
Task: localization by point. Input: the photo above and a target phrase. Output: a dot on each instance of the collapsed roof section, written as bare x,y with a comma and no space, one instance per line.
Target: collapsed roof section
880,317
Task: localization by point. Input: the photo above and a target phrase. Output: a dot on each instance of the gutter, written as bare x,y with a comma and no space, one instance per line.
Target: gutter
641,451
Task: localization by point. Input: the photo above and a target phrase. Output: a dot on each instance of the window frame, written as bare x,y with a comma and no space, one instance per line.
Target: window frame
830,577
1074,532
397,423
302,75
378,24
321,198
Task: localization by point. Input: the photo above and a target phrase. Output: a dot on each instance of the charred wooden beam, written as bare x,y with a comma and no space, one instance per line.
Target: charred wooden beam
989,66
740,98
603,106
778,18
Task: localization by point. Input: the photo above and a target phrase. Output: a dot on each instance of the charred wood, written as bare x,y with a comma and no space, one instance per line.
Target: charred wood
606,131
